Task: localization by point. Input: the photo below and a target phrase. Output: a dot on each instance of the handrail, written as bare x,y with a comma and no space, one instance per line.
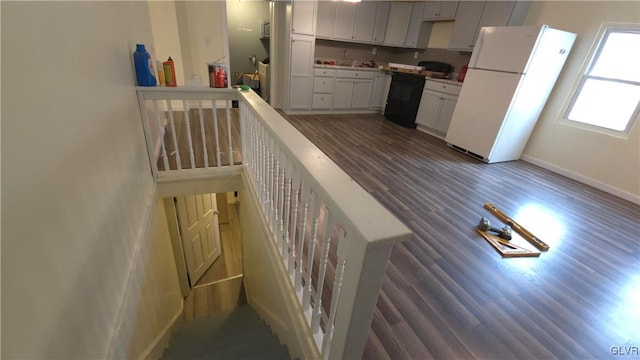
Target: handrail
333,237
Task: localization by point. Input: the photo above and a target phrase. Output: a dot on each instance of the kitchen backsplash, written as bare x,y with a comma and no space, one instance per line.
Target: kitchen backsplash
343,51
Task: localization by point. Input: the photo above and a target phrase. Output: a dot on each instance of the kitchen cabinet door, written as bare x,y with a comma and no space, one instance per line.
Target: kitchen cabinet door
345,21
466,25
380,91
326,19
495,13
365,17
301,71
303,17
300,92
398,24
415,26
439,10
472,16
429,109
380,27
448,104
361,94
343,93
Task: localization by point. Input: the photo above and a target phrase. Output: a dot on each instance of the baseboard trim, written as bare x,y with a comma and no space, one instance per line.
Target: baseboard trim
583,179
156,348
270,318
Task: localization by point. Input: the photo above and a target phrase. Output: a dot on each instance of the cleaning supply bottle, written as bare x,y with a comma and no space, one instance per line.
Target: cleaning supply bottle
161,80
169,72
145,75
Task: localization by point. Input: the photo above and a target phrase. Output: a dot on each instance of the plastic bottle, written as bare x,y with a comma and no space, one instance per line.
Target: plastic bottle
145,75
161,80
169,72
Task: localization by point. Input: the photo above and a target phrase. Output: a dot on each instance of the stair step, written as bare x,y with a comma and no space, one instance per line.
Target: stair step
237,334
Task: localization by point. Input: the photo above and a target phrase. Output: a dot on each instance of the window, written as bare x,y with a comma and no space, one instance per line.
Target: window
608,95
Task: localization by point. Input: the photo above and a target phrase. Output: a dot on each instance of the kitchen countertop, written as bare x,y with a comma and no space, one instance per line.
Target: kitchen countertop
362,68
446,81
339,67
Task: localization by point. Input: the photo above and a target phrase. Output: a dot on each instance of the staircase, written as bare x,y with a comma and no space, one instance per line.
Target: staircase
235,334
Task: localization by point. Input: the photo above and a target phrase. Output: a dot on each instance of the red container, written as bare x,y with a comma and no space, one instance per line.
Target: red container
462,73
218,76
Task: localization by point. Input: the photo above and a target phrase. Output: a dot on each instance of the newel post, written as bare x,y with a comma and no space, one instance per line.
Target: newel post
366,263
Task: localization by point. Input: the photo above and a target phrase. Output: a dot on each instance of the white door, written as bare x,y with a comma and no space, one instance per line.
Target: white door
200,232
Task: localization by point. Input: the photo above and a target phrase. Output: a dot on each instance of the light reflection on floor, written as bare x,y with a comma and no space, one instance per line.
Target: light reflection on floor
543,223
626,315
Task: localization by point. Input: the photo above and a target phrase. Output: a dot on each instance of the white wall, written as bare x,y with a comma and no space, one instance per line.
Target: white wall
166,36
203,36
605,161
76,183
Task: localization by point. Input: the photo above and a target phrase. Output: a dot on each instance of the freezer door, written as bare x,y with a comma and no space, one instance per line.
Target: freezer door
484,102
505,48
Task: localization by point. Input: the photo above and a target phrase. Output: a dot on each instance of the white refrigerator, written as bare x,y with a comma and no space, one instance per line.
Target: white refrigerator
511,73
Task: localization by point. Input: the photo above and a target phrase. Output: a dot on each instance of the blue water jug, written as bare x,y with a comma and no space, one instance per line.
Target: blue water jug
144,67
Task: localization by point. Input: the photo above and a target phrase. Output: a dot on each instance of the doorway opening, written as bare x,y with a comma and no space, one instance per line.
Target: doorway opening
208,286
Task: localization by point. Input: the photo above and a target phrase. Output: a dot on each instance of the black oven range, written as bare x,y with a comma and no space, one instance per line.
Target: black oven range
405,93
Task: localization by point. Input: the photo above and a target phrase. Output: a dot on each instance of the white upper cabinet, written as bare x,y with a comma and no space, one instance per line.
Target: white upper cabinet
303,17
380,26
418,31
345,20
473,15
398,24
355,21
326,19
439,10
365,18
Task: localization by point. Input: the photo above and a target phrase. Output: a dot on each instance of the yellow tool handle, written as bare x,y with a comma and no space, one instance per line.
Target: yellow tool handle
541,245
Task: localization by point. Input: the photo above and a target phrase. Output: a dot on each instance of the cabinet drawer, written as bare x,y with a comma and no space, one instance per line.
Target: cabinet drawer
324,72
354,74
322,101
323,85
442,87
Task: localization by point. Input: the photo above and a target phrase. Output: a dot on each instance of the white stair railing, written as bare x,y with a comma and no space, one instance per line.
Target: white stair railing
334,239
184,130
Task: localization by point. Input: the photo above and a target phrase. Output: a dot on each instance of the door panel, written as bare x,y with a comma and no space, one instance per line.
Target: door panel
199,231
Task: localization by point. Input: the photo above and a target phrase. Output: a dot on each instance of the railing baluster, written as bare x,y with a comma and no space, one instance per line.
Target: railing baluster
287,218
185,111
230,135
173,132
281,184
275,190
306,297
335,295
322,270
264,167
303,230
216,135
204,138
293,254
163,131
272,189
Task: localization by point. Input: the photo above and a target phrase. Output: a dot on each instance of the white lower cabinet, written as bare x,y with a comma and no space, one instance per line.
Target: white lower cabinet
436,107
323,89
381,83
352,89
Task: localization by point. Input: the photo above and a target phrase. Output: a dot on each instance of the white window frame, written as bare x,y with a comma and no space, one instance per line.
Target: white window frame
594,53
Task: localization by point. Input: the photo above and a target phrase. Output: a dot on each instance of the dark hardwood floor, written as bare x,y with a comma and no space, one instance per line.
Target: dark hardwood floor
447,294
